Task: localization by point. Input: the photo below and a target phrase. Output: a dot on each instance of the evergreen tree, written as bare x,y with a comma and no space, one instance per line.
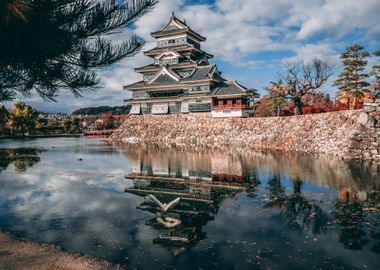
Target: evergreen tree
52,45
3,118
75,125
67,125
252,95
351,82
376,72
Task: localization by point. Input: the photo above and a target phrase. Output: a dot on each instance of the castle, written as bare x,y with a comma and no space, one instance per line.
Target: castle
181,79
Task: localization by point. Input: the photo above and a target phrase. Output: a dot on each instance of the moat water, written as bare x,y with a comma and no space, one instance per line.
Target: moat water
236,210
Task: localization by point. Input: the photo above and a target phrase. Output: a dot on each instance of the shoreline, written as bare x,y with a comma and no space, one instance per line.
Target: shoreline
20,253
40,136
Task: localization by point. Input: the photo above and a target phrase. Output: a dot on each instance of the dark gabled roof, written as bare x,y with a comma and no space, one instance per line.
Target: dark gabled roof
202,73
175,66
176,48
174,32
155,83
164,76
173,18
228,88
148,67
178,28
139,83
164,79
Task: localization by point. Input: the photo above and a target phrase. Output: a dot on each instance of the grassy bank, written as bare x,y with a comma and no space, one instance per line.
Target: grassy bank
26,254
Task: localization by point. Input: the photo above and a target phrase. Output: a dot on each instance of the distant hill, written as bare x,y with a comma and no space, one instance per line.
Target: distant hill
58,114
102,109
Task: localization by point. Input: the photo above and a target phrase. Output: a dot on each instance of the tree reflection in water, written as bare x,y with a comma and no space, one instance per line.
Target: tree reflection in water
300,212
4,160
77,206
350,217
354,213
23,158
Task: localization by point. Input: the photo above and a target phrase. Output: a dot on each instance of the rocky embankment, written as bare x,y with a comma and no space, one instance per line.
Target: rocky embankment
346,134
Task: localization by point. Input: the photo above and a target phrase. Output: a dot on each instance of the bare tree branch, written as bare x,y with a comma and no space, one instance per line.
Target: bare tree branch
303,79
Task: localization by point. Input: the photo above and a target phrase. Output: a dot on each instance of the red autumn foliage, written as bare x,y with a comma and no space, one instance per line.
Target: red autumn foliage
319,103
263,109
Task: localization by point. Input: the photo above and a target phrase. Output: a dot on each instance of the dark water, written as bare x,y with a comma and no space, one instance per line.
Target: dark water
237,210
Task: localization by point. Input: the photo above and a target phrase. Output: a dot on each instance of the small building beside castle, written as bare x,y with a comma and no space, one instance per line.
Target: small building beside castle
181,79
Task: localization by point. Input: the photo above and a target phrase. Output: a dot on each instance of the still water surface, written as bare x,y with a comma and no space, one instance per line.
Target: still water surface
236,210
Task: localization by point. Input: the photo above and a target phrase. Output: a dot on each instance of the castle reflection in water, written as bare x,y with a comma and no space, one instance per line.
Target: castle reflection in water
203,180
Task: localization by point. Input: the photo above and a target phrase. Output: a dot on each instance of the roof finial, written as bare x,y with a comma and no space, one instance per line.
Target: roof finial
172,13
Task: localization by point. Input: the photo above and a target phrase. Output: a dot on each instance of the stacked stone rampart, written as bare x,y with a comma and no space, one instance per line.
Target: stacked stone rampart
346,134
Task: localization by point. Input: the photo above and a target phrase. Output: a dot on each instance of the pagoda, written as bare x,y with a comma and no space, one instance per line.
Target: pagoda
181,79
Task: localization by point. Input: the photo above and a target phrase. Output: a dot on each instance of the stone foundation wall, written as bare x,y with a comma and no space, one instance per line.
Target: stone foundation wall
346,134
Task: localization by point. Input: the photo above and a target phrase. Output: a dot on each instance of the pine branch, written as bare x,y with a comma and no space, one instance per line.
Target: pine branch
61,43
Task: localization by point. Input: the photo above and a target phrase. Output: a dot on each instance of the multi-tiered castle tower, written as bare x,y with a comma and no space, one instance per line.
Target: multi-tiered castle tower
181,79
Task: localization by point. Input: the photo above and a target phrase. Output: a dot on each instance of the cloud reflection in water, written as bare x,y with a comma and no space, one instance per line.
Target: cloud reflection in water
296,211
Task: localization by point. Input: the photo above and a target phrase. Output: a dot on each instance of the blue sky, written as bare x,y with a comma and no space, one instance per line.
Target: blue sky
250,39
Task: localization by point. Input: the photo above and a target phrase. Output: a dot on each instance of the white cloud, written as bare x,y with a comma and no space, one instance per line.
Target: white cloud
238,30
340,17
308,52
230,36
158,17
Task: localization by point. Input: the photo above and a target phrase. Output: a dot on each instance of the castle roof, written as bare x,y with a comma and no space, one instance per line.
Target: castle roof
167,77
202,73
179,48
229,88
186,64
176,26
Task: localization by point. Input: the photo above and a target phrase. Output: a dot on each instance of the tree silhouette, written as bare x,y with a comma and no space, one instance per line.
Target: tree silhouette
301,214
303,79
3,118
22,158
350,217
51,45
4,160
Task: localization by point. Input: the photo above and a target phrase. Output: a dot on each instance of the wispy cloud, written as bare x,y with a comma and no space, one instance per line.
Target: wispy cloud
249,38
